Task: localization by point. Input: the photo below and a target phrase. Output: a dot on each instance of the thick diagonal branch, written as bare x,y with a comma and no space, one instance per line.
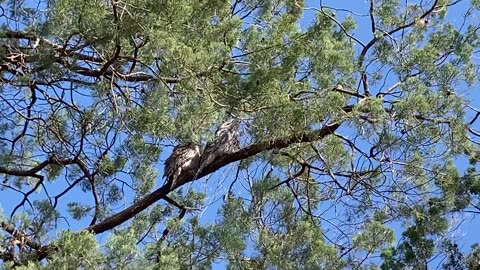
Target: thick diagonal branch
244,153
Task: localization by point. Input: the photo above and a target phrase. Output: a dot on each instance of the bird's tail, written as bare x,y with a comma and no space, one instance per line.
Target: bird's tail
199,170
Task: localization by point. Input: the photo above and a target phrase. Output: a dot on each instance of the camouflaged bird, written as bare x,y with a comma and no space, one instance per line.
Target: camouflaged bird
227,140
184,157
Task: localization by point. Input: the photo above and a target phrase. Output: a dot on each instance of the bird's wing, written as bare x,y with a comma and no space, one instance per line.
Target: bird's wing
172,161
189,158
226,141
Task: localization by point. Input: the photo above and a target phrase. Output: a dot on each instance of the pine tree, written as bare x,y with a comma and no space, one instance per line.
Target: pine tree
359,134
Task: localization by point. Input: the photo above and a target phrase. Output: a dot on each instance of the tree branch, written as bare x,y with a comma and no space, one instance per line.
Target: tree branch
33,171
18,235
244,153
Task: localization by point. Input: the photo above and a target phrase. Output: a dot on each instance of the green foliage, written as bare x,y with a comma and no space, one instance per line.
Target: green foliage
232,232
354,128
455,259
76,251
473,258
122,251
374,236
53,171
77,210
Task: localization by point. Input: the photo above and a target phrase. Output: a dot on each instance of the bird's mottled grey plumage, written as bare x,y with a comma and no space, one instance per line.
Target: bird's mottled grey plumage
184,157
227,140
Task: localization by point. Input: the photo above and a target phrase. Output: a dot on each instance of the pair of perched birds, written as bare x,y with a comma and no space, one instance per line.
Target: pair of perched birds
187,157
